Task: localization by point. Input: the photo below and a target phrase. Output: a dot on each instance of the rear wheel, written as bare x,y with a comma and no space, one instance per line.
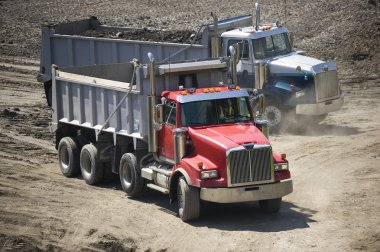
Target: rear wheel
273,114
68,157
91,168
130,175
188,201
271,205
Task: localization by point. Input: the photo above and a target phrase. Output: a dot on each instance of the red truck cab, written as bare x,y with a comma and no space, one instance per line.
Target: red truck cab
224,155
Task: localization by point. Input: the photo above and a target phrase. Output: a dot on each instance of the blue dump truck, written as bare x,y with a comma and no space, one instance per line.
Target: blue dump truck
295,86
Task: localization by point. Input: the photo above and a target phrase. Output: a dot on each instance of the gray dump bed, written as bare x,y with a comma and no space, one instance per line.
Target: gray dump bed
88,96
65,46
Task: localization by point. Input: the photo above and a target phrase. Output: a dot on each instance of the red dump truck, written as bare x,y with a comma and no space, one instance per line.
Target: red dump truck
178,128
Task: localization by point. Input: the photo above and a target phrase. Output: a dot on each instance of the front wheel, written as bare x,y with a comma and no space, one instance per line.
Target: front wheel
271,205
188,201
273,114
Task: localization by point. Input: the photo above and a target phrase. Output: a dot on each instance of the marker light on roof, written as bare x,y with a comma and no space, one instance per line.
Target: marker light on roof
212,90
237,88
184,92
217,89
266,28
191,90
206,90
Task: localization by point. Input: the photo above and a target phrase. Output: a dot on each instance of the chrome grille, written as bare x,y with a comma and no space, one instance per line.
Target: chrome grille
326,85
249,166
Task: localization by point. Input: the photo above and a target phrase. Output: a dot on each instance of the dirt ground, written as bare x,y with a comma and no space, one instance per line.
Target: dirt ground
334,165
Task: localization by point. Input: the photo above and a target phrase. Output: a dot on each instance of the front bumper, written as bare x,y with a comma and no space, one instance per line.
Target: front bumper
320,108
247,193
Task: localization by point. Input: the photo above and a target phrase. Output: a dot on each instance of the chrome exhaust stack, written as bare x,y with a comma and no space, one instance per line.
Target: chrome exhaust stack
152,134
179,144
215,39
257,16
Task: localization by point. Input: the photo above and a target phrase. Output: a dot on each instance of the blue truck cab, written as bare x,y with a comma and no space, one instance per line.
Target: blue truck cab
291,82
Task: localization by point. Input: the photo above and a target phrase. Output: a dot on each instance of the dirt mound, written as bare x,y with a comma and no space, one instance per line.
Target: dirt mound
173,36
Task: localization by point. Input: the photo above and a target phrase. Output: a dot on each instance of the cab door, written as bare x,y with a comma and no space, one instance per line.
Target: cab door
245,70
165,135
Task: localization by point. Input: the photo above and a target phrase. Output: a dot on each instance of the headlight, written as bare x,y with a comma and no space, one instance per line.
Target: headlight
281,166
300,93
209,174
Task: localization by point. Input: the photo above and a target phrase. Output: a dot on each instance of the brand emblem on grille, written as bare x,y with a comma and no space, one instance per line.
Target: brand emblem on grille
248,146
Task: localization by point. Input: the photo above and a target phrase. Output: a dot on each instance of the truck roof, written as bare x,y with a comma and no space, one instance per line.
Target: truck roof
202,94
251,33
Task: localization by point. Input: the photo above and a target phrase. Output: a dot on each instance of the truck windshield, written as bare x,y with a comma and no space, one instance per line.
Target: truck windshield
271,46
213,112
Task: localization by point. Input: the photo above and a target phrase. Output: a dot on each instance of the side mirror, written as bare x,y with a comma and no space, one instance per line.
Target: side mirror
257,103
159,114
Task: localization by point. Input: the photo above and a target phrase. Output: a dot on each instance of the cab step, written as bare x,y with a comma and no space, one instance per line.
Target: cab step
158,188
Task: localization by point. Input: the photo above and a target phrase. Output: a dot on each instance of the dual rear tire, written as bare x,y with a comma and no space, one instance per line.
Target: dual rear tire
92,170
74,159
68,157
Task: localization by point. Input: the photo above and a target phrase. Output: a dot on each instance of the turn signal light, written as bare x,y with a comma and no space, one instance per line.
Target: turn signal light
283,156
200,165
237,88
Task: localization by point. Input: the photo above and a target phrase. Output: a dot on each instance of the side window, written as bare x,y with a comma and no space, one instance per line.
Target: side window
280,43
243,46
170,113
188,80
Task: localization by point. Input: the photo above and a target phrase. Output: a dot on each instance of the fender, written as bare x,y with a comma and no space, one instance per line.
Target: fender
280,91
173,182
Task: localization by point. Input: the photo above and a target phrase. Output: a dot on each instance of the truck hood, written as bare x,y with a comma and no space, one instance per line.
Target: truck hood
286,65
229,136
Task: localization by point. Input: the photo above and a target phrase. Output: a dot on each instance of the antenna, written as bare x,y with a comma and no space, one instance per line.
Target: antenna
286,12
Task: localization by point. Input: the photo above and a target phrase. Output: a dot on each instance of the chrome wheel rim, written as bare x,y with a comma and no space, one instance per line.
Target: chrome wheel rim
273,115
